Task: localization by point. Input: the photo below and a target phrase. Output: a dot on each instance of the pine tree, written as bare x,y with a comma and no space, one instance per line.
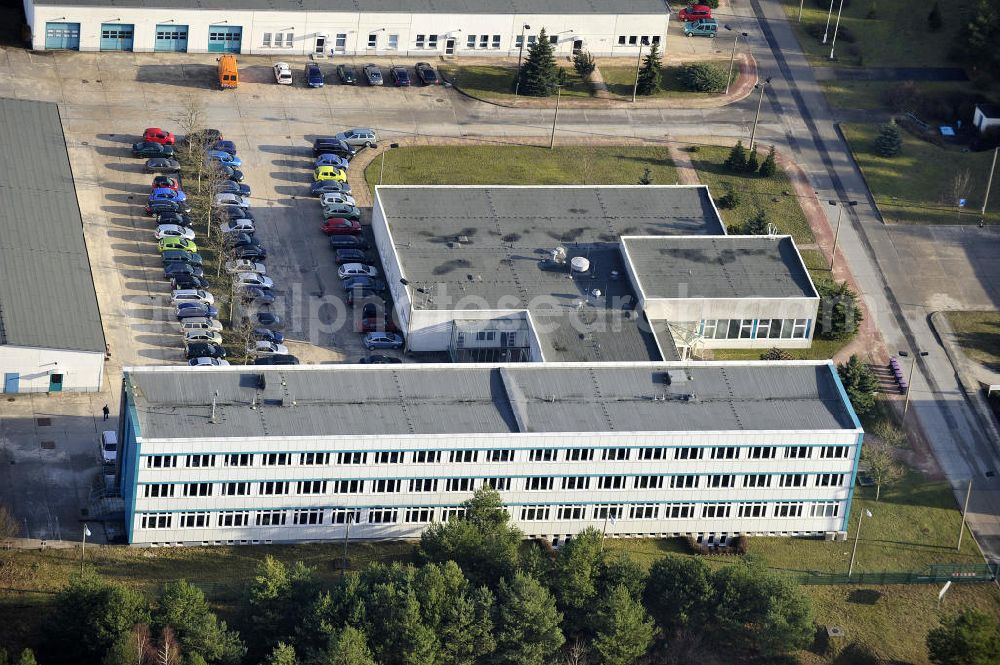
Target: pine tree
624,630
539,74
860,384
769,166
583,63
756,225
753,162
935,21
27,657
649,74
527,623
283,654
737,160
888,143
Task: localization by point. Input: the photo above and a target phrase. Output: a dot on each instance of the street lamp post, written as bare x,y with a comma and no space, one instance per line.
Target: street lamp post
836,234
857,537
829,15
381,168
732,58
638,64
555,118
989,183
520,54
909,379
833,44
83,549
347,535
760,102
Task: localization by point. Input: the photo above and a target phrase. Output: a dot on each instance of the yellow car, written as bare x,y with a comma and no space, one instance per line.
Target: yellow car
329,173
182,244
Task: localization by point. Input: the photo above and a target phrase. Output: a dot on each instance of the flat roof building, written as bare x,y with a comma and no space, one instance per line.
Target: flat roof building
51,338
259,454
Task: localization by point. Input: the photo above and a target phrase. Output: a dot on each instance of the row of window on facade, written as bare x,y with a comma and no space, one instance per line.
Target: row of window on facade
391,42
506,484
498,455
426,515
754,328
636,40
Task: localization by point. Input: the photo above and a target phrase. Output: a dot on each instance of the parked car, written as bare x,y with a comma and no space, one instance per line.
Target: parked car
253,279
241,239
191,295
171,270
225,146
224,158
265,335
208,362
161,181
268,320
229,199
242,265
331,198
354,269
359,137
167,194
227,213
355,296
161,165
238,226
347,74
363,282
250,252
277,360
373,74
264,348
340,226
149,149
329,173
173,231
382,340
426,74
329,159
200,323
377,324
195,310
282,73
314,75
109,446
342,210
380,360
703,27
205,350
255,296
181,256
182,244
188,282
400,76
694,12
343,256
231,173
178,218
230,187
157,135
157,207
348,242
327,186
329,144
210,336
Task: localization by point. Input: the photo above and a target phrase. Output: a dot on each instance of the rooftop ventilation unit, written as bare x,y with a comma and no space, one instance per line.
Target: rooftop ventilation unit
559,255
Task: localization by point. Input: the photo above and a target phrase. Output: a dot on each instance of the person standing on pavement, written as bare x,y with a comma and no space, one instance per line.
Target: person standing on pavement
107,411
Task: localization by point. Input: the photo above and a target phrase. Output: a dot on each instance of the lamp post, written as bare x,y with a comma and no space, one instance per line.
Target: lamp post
381,168
829,14
836,234
989,183
347,535
760,102
555,118
857,537
520,54
638,63
833,44
909,379
965,511
732,58
83,549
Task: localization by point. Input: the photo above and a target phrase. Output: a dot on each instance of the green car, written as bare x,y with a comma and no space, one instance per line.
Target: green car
149,150
177,243
703,27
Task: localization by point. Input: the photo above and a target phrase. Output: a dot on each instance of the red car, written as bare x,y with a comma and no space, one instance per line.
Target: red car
165,181
695,12
373,324
340,226
157,135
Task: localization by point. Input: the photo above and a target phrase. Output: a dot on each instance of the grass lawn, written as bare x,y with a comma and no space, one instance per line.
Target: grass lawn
916,186
871,95
755,193
821,349
620,80
979,335
495,82
523,165
896,37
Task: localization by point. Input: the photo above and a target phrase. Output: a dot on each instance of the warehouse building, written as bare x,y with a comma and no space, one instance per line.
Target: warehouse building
51,338
232,455
583,274
331,28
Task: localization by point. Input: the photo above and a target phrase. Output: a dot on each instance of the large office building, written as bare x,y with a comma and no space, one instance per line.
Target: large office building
332,28
230,455
51,338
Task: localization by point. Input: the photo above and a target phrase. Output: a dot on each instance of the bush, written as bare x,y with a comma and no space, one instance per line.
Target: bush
904,97
840,313
702,78
888,143
776,354
935,21
770,165
584,64
714,4
740,544
737,159
729,200
756,225
844,33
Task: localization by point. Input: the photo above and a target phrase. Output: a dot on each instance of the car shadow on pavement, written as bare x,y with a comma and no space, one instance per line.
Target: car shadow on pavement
135,235
125,168
291,151
116,151
294,163
287,176
161,341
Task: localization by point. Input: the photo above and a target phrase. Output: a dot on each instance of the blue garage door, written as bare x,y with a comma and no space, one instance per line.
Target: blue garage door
116,36
171,38
10,382
62,36
224,38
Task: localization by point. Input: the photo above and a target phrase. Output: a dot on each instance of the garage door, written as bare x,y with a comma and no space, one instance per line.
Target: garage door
116,36
62,36
171,38
224,38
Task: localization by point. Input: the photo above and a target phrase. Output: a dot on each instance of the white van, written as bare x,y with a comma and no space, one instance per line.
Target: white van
109,446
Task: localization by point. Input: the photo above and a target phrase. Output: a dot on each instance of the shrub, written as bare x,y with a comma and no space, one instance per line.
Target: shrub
737,159
935,21
584,64
753,162
756,225
739,544
840,312
729,200
903,97
702,78
844,33
776,354
888,143
769,166
714,4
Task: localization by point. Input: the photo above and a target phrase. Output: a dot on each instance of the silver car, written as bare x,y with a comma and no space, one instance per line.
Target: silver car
359,136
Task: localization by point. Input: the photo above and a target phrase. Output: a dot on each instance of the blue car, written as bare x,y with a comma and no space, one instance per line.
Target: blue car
224,158
314,75
167,194
327,159
363,282
266,335
230,187
225,146
188,310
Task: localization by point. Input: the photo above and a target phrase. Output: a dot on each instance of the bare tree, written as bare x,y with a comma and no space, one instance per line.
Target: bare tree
575,653
144,648
190,118
9,528
220,246
880,454
960,184
247,339
168,652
